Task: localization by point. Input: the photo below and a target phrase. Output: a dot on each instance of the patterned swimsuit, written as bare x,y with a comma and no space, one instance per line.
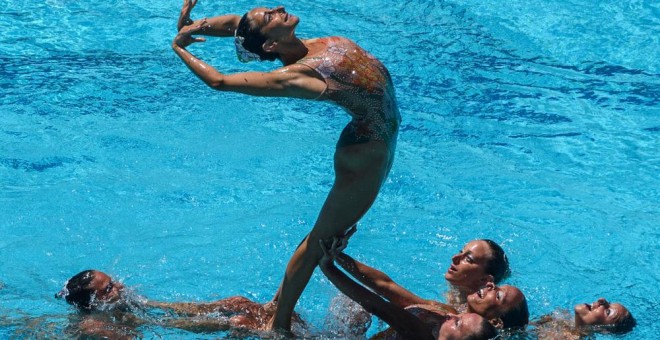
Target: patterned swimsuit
360,84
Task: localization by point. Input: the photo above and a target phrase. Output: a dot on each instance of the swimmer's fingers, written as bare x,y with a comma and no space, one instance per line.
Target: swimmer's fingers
324,247
185,38
184,16
199,28
327,258
336,247
343,241
350,231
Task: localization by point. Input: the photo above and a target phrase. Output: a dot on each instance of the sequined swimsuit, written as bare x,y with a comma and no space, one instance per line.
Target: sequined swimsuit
361,84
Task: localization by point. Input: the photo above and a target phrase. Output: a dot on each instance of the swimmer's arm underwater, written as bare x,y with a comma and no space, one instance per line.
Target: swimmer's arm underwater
188,308
203,324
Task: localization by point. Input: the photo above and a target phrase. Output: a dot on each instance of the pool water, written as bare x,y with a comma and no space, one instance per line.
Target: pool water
532,123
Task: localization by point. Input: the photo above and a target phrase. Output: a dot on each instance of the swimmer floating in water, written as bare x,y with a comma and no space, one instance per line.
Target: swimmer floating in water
600,316
504,306
331,69
478,263
421,321
111,310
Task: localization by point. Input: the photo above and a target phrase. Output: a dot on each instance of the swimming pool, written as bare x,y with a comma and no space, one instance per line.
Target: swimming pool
532,123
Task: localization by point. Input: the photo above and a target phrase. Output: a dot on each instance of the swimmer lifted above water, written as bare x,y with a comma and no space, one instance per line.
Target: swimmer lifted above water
331,69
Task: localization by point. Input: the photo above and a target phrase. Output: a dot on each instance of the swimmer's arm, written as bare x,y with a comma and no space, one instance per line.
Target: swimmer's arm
406,324
218,26
93,328
228,305
187,308
199,325
293,81
380,282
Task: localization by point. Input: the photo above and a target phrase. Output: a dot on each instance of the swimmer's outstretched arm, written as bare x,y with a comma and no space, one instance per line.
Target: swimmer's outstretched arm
380,282
93,328
295,81
375,279
219,26
191,308
203,324
405,324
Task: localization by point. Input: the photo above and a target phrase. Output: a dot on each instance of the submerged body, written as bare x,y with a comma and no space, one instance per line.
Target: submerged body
108,309
600,316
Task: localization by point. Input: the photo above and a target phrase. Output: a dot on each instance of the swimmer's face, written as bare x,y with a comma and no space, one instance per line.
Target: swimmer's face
460,326
493,301
468,267
273,22
105,289
600,312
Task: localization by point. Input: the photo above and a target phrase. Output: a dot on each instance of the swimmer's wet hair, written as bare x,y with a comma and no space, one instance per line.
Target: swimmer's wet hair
77,292
498,264
485,332
253,39
516,317
623,326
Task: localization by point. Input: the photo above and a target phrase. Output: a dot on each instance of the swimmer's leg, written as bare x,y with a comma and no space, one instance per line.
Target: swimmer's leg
273,301
360,170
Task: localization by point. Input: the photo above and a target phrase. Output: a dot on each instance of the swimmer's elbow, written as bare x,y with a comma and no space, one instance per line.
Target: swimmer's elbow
217,83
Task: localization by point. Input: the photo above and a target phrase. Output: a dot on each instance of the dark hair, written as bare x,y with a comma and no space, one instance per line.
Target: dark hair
253,39
516,317
77,291
497,264
485,332
624,325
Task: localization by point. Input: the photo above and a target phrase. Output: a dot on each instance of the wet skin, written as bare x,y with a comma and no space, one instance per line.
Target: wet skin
493,301
600,312
468,268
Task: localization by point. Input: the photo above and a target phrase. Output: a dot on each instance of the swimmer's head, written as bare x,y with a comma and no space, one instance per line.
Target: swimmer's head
504,306
479,262
466,326
610,317
260,30
90,289
497,263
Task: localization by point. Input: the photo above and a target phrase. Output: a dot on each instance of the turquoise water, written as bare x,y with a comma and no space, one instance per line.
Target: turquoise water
533,123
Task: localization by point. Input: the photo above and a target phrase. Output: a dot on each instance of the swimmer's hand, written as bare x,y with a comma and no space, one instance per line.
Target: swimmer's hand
184,16
327,258
335,248
185,36
343,241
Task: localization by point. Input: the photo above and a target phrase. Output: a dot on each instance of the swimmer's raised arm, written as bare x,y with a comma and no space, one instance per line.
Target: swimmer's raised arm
219,26
405,323
295,81
380,282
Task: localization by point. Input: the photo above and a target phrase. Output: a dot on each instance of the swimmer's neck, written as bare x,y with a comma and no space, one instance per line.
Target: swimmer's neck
292,50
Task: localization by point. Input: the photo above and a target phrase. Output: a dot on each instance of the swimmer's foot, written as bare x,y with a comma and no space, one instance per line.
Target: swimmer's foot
279,332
